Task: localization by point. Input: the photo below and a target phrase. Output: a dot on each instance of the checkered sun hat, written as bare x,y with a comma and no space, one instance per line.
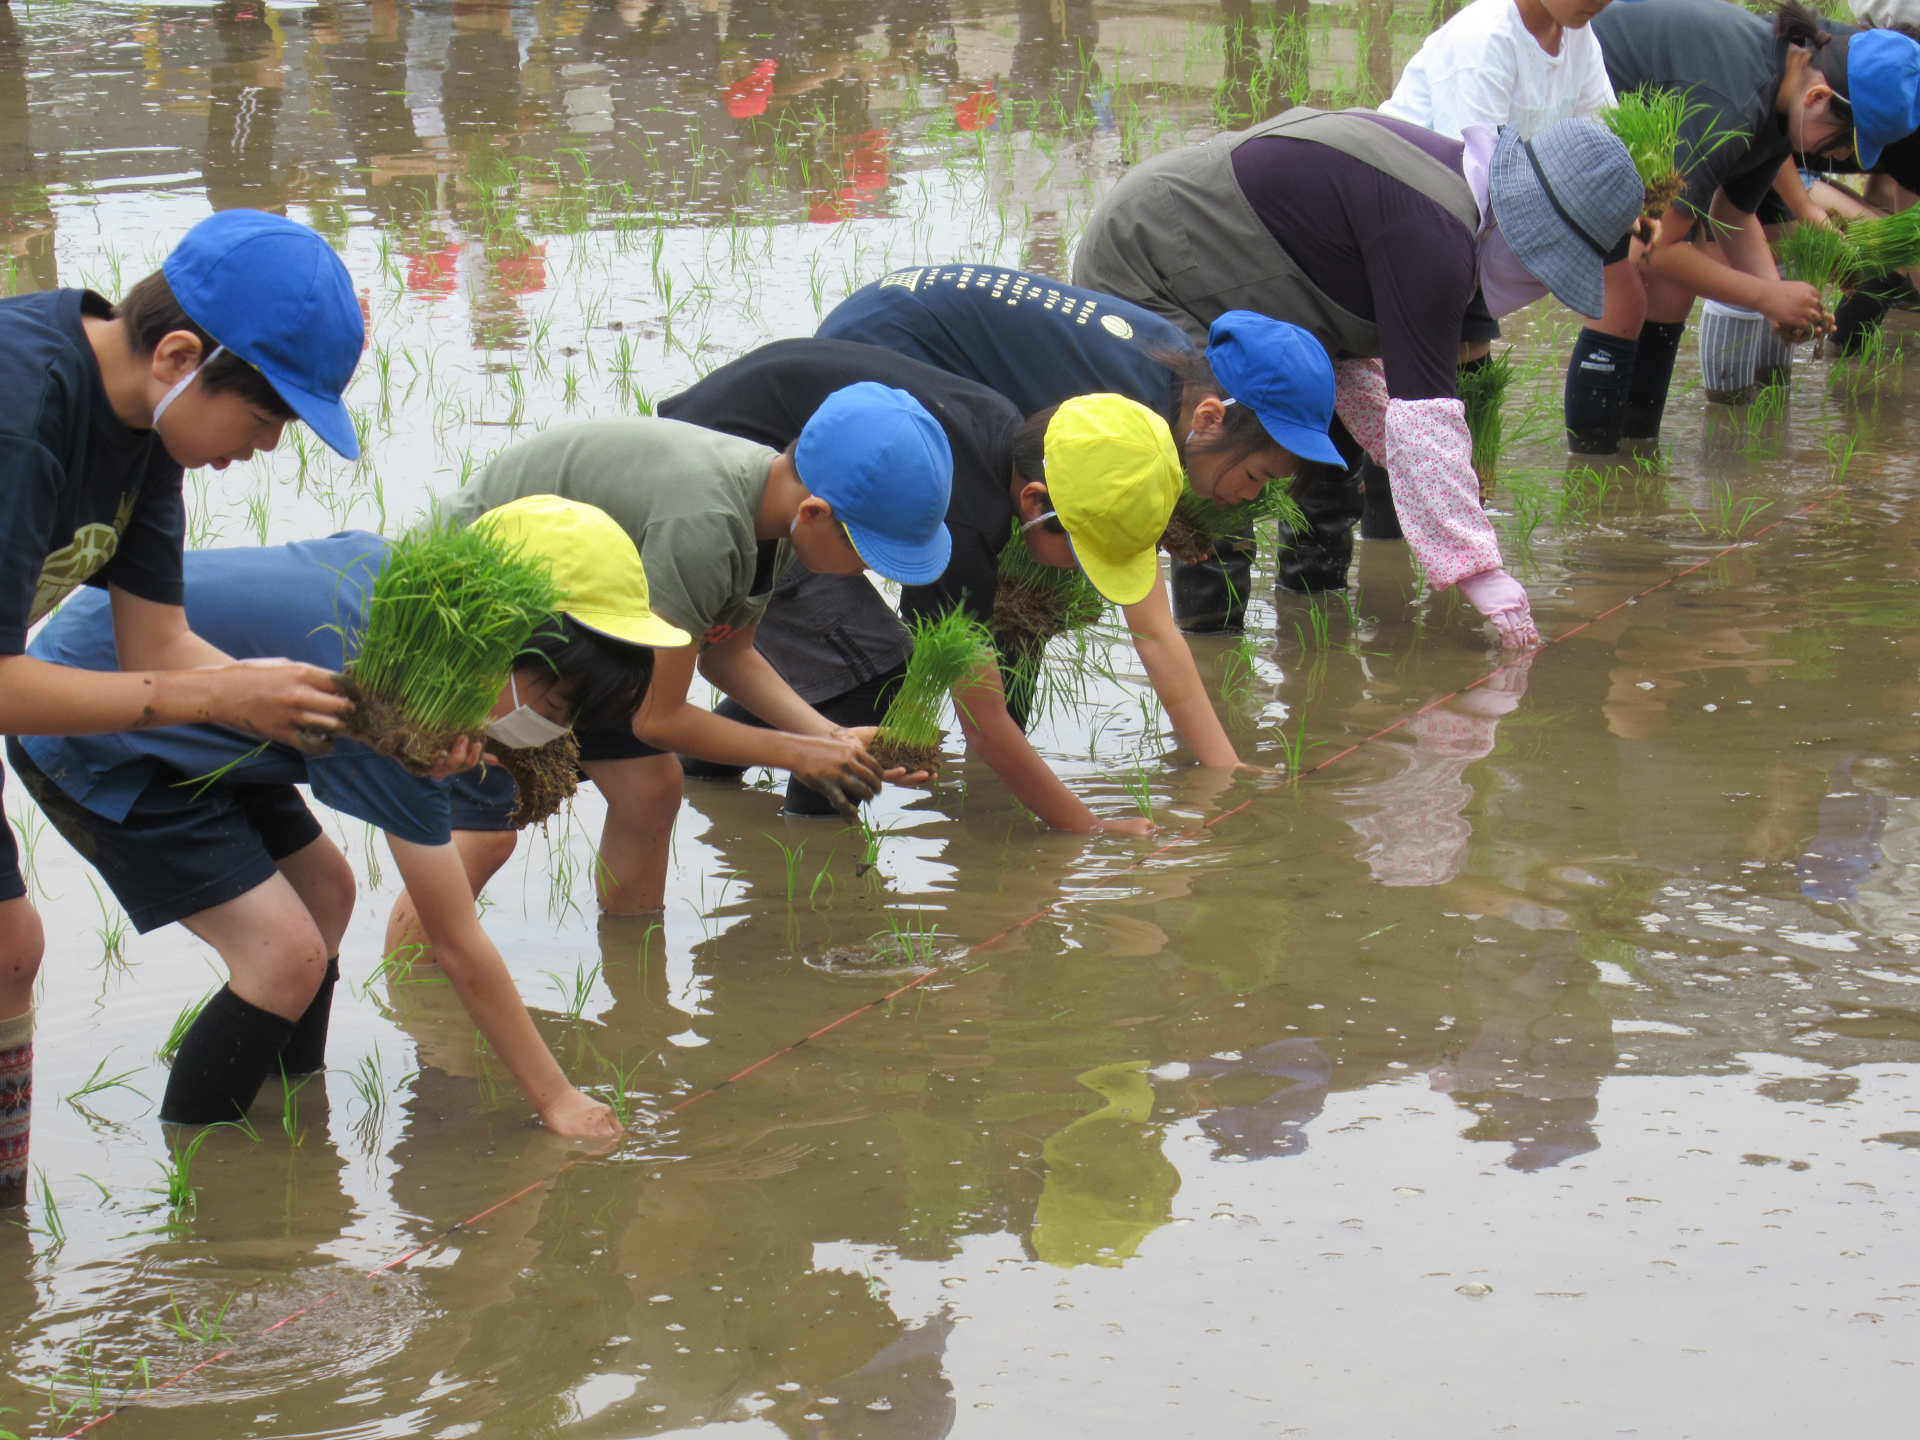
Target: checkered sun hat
1563,199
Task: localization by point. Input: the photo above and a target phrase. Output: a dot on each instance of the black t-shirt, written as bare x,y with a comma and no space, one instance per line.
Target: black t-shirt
1375,246
1728,64
83,499
1034,340
769,394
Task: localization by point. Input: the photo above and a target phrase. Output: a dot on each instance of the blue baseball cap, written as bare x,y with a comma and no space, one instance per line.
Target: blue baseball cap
883,463
272,291
1282,374
1883,87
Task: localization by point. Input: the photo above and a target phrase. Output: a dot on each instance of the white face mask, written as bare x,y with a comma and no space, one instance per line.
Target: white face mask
523,727
181,384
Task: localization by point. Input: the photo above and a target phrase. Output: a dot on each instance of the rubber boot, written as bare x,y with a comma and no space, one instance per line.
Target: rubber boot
1378,519
1317,559
1210,596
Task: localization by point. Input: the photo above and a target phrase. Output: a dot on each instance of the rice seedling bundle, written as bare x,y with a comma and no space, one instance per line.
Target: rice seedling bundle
1883,245
1821,256
1483,390
945,651
1036,602
449,612
1197,524
1647,122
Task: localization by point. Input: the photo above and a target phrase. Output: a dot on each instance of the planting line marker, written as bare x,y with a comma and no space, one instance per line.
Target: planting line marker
1039,914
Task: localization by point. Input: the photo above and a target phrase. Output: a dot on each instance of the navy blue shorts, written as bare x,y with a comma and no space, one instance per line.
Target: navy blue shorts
12,884
184,846
483,797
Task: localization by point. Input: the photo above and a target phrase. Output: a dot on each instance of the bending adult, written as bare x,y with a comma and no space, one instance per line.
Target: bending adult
1372,234
1039,342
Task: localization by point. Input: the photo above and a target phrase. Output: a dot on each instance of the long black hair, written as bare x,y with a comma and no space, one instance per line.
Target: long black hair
1797,25
604,679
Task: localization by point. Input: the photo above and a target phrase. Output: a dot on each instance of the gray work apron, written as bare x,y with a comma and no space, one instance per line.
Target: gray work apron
1178,236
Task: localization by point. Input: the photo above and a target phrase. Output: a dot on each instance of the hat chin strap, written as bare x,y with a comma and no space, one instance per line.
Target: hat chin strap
182,383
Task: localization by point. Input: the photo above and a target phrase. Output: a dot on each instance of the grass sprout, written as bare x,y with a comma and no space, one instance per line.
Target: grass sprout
182,1023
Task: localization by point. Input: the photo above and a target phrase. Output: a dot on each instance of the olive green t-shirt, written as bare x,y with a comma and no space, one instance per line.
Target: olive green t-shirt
686,495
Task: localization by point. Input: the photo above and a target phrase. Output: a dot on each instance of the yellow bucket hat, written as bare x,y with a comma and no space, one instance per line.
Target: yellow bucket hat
595,563
1112,477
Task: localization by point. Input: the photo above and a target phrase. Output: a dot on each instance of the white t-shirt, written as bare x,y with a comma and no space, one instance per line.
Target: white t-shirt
1483,68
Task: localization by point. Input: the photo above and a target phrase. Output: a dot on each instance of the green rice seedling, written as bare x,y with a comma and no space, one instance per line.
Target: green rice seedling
1197,524
1139,788
1483,390
913,940
112,931
1884,244
182,1023
1647,122
575,993
290,1107
99,1080
1294,747
1032,604
791,855
177,1168
1818,255
50,1224
450,611
945,651
616,1084
204,1328
30,825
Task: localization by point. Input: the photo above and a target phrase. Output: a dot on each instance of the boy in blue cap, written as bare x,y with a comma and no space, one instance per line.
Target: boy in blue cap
717,520
250,323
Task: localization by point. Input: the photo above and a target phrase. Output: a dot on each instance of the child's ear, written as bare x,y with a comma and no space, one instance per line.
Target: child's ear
1033,496
814,511
1209,414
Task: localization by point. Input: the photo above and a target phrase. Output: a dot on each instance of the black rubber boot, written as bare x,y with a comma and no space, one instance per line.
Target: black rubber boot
223,1061
1859,315
306,1052
1599,375
1378,519
1652,378
1210,596
1317,559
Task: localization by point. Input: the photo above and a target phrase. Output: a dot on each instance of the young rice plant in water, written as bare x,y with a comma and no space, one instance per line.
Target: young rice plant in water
450,611
945,651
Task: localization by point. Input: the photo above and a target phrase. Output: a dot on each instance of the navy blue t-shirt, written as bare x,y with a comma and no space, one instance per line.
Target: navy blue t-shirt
83,499
292,601
1036,341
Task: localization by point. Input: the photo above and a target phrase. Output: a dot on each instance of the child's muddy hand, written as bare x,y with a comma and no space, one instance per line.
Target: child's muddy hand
1124,825
839,767
464,755
580,1117
281,700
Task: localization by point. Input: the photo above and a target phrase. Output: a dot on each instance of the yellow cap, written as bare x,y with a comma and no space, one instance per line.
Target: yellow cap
595,564
1112,477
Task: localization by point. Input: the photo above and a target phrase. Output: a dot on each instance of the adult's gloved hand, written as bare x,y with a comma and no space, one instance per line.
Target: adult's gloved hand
1503,600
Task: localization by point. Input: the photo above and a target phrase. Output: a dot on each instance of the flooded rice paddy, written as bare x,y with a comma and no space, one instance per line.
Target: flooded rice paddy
1542,1068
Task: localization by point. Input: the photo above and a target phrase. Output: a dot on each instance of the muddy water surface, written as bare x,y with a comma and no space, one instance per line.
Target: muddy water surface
1545,1066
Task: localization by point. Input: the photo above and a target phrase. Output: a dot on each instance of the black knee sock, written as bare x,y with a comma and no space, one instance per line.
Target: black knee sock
1599,372
1652,374
306,1051
1859,314
1378,519
223,1060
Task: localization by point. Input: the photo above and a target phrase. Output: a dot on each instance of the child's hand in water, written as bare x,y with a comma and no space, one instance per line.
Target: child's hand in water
1124,825
580,1117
